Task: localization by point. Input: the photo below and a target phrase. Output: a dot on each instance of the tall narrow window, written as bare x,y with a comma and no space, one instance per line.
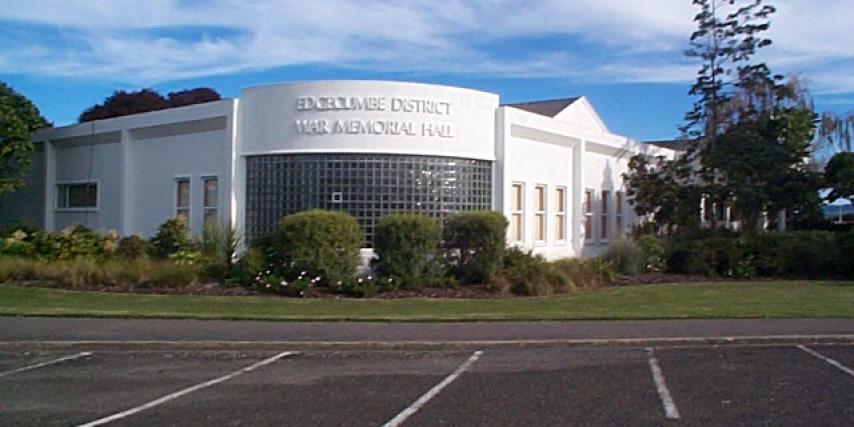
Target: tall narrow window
77,196
540,213
588,215
618,214
211,199
606,214
517,223
182,200
560,214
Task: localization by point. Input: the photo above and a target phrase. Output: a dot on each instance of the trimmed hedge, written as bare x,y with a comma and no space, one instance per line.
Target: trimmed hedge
407,247
475,245
813,254
321,243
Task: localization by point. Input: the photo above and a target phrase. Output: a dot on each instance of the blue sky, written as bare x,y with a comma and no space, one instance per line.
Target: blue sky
624,55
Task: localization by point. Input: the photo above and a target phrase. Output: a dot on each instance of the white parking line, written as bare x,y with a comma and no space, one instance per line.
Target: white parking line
187,390
833,362
48,363
670,410
415,406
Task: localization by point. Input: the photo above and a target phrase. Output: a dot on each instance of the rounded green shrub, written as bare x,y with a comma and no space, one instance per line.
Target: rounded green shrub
475,244
317,243
172,236
653,253
625,256
131,247
408,248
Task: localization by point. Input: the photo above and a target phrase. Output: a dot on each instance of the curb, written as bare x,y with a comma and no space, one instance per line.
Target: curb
158,345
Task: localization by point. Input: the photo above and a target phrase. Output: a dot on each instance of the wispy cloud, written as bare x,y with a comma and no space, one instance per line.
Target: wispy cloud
594,41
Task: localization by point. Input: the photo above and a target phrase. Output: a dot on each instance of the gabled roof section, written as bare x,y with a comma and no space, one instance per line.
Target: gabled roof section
576,110
548,108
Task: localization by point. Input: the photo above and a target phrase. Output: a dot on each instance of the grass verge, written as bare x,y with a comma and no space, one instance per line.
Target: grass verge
713,300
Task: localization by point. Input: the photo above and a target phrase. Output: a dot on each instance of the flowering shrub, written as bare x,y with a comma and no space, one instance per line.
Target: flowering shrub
324,243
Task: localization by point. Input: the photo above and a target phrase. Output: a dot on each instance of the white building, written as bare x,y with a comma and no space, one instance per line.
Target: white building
366,147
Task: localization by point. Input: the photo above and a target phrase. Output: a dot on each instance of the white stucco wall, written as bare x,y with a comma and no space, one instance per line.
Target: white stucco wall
574,150
158,162
90,162
135,161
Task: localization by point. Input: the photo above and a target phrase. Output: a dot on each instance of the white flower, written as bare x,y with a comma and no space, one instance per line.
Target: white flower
370,278
390,280
360,280
283,283
302,273
317,278
338,283
268,285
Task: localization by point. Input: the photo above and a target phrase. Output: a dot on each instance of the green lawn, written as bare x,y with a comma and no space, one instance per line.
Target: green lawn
777,299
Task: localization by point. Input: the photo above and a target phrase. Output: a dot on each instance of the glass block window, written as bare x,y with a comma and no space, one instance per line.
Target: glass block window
182,198
368,186
211,198
82,195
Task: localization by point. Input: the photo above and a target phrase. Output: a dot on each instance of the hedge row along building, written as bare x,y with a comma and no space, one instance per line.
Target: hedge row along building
369,148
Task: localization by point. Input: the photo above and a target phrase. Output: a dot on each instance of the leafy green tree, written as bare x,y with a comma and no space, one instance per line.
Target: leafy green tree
760,163
839,176
661,190
18,119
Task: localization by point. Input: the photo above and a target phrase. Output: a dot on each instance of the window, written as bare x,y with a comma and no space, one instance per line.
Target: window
211,199
588,215
560,214
77,196
540,213
182,200
606,214
369,186
618,214
517,225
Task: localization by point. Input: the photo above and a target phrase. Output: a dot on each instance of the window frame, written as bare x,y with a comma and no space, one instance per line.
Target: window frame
541,207
587,210
605,213
59,185
561,214
517,212
205,207
176,196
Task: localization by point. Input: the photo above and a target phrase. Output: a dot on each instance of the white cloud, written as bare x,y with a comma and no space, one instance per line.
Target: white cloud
598,41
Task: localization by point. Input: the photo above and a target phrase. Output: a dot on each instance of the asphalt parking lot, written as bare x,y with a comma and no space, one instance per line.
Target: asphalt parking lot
726,385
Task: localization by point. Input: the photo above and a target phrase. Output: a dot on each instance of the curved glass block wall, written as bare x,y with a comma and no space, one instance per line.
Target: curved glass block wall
368,186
